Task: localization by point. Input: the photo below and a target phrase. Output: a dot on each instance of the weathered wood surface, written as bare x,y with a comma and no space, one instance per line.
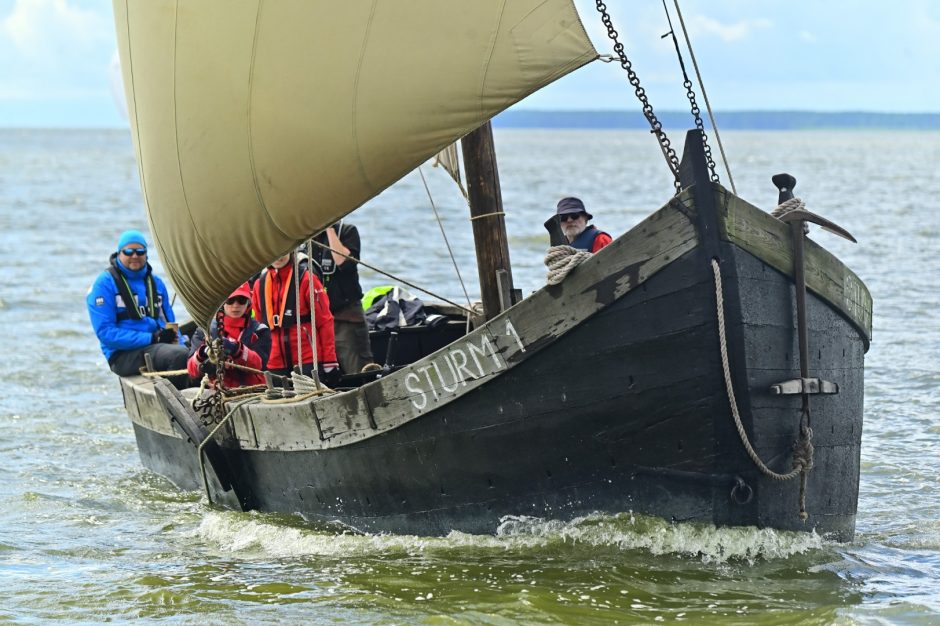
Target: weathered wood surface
508,339
486,214
522,331
768,238
144,408
470,362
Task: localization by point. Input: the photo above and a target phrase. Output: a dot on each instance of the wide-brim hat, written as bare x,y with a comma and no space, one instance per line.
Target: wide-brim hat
571,205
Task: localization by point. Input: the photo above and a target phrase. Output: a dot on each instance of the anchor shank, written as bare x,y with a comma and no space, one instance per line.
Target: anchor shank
799,278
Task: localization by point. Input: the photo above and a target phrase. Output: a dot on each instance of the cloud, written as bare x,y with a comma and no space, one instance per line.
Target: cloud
736,31
37,28
55,47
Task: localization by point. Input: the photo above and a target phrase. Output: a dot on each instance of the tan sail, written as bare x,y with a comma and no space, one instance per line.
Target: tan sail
450,162
258,123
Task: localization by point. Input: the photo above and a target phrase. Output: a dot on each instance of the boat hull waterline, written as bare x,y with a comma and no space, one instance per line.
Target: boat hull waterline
604,393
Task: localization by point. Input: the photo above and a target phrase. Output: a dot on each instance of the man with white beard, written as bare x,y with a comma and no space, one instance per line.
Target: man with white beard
573,218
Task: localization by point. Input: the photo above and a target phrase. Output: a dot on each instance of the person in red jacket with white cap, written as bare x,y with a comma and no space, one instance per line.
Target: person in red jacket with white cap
274,300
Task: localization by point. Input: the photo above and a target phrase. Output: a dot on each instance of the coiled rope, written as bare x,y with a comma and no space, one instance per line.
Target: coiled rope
790,205
802,447
561,260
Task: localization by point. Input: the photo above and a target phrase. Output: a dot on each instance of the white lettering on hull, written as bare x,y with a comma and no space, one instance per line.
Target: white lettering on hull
450,371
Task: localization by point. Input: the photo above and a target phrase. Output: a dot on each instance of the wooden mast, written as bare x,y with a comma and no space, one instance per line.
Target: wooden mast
489,226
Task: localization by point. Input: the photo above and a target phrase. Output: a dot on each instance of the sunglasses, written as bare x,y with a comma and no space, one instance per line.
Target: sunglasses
564,217
237,299
134,251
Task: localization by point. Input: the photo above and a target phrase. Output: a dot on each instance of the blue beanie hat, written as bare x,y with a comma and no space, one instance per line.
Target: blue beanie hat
131,236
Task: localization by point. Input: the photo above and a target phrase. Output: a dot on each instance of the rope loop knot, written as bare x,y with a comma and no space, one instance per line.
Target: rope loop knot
561,260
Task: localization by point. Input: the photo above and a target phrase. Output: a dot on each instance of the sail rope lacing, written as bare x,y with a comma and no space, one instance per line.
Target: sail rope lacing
802,447
657,128
561,260
708,106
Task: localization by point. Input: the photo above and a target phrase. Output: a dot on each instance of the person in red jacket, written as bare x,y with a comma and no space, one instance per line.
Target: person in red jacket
245,341
574,224
274,300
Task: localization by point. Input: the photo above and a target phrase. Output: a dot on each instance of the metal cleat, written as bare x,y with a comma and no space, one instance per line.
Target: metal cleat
804,385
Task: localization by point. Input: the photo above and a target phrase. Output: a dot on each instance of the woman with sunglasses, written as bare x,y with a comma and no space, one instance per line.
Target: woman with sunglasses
130,311
245,341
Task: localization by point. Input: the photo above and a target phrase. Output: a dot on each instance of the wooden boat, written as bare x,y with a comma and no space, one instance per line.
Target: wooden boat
670,374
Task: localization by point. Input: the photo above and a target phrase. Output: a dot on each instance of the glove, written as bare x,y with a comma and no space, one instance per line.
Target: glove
208,368
230,347
165,335
330,374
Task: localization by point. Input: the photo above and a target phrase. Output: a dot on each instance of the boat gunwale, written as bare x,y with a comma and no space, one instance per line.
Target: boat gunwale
342,419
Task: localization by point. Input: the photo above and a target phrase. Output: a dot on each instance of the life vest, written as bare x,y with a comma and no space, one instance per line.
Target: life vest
585,241
132,310
283,316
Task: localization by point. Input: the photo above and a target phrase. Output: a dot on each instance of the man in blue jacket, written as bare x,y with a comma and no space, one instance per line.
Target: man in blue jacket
130,308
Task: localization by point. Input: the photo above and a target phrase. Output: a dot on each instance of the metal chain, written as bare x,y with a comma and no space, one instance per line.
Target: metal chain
699,124
690,94
657,128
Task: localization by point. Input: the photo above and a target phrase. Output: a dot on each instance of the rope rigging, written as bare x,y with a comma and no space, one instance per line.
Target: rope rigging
657,128
394,277
690,94
708,106
672,160
440,225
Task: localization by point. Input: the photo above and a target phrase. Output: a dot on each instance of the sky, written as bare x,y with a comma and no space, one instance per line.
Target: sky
57,58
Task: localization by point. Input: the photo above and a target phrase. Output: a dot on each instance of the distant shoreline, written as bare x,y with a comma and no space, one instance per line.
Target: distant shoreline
730,120
675,120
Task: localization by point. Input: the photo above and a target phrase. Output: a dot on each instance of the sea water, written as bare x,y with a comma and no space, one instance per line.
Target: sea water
87,535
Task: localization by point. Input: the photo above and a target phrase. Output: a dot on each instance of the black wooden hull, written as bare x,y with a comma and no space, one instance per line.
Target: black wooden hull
627,411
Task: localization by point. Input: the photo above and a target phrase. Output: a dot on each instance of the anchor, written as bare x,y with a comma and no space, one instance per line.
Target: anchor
797,219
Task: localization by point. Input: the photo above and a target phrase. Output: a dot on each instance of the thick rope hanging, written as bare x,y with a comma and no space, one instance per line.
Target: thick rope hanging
802,448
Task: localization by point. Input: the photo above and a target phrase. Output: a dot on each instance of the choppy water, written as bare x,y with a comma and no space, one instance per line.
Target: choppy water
87,535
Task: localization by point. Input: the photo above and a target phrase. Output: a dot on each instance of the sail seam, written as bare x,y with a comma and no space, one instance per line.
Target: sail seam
489,58
176,126
355,99
248,126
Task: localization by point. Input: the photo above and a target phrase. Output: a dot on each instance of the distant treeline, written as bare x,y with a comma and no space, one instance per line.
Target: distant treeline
742,120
